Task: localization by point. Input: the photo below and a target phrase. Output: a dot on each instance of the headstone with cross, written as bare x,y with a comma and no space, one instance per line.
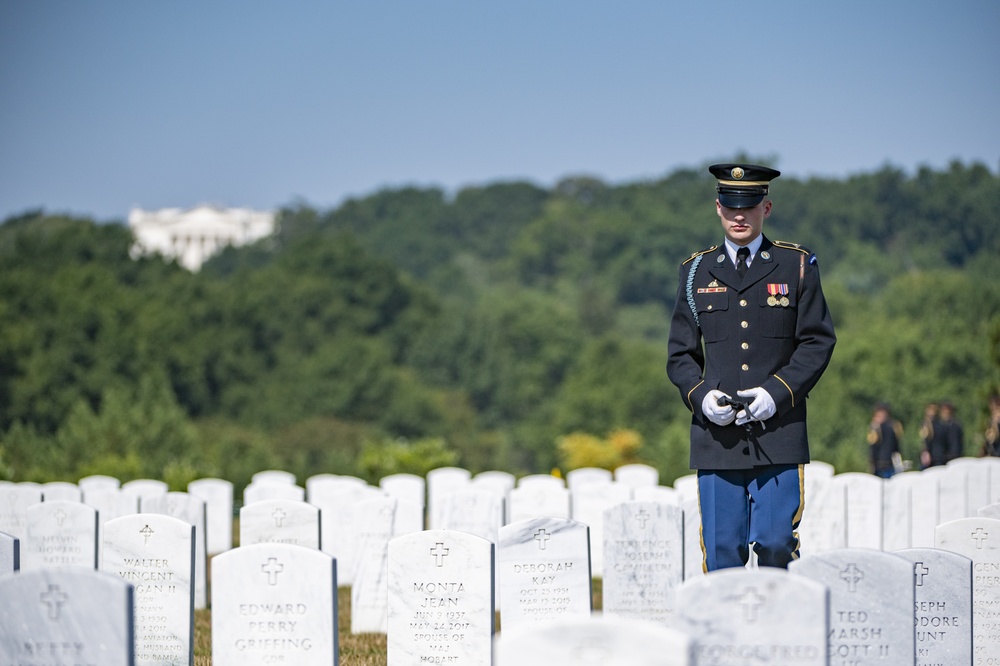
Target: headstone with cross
60,534
337,498
15,498
643,560
543,572
979,540
538,498
218,497
595,641
942,605
65,616
871,604
274,603
377,521
737,616
588,504
441,609
10,553
281,521
190,509
156,554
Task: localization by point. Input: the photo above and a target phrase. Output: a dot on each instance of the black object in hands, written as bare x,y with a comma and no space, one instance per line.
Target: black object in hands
735,404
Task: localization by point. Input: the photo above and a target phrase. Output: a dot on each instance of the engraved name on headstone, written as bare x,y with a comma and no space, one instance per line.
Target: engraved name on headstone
762,617
274,603
65,617
60,534
440,599
942,607
643,560
871,604
979,540
543,572
155,553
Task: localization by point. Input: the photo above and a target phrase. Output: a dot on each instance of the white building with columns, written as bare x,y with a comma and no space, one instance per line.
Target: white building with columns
192,236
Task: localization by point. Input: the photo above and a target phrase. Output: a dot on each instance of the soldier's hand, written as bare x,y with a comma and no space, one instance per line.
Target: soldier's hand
714,412
761,408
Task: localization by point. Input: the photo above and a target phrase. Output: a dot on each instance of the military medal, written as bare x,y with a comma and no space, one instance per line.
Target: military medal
774,290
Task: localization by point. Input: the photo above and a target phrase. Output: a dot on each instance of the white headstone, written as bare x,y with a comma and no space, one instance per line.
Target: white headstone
694,555
274,603
10,553
337,499
643,560
378,521
98,482
824,518
871,604
584,475
15,498
765,617
539,500
687,487
942,605
657,494
407,487
897,511
543,572
111,503
155,553
280,521
589,502
472,510
864,508
609,641
637,475
145,489
924,507
441,609
440,482
190,509
60,490
978,492
218,496
989,511
60,534
65,617
979,540
953,501
259,491
274,476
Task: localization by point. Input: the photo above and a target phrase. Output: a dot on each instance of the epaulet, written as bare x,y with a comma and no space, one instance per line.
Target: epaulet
698,254
791,246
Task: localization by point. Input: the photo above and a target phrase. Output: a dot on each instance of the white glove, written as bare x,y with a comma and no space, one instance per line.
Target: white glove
761,409
723,415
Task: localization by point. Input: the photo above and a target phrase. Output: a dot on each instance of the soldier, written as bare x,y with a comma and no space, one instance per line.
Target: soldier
884,433
750,335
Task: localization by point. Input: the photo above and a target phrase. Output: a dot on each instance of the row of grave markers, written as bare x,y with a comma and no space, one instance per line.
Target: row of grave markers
277,603
629,555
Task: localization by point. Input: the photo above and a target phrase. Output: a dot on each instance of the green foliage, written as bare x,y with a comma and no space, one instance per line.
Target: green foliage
409,329
381,458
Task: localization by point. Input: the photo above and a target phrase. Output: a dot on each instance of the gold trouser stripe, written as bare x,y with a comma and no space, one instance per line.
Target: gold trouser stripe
692,391
787,387
798,514
701,535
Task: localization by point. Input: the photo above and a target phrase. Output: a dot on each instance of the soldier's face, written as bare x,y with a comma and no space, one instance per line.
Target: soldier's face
742,225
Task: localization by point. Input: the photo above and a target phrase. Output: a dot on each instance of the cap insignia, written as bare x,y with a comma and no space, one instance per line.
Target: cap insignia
737,173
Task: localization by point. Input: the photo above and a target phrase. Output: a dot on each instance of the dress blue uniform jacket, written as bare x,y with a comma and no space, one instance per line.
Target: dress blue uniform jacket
748,343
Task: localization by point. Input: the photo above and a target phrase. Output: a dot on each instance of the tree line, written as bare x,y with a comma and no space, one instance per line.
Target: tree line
414,328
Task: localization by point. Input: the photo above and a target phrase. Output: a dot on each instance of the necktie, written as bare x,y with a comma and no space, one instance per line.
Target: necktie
742,255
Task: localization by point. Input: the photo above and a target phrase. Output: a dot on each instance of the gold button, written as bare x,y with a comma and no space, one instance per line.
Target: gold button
745,345
709,307
743,303
744,324
745,366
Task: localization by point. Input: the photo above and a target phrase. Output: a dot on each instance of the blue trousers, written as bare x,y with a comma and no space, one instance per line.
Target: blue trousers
762,506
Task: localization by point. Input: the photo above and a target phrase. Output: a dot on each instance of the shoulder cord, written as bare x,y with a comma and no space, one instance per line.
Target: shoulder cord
690,289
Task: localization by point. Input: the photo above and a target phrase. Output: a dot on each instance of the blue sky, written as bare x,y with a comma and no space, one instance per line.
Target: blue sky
106,105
